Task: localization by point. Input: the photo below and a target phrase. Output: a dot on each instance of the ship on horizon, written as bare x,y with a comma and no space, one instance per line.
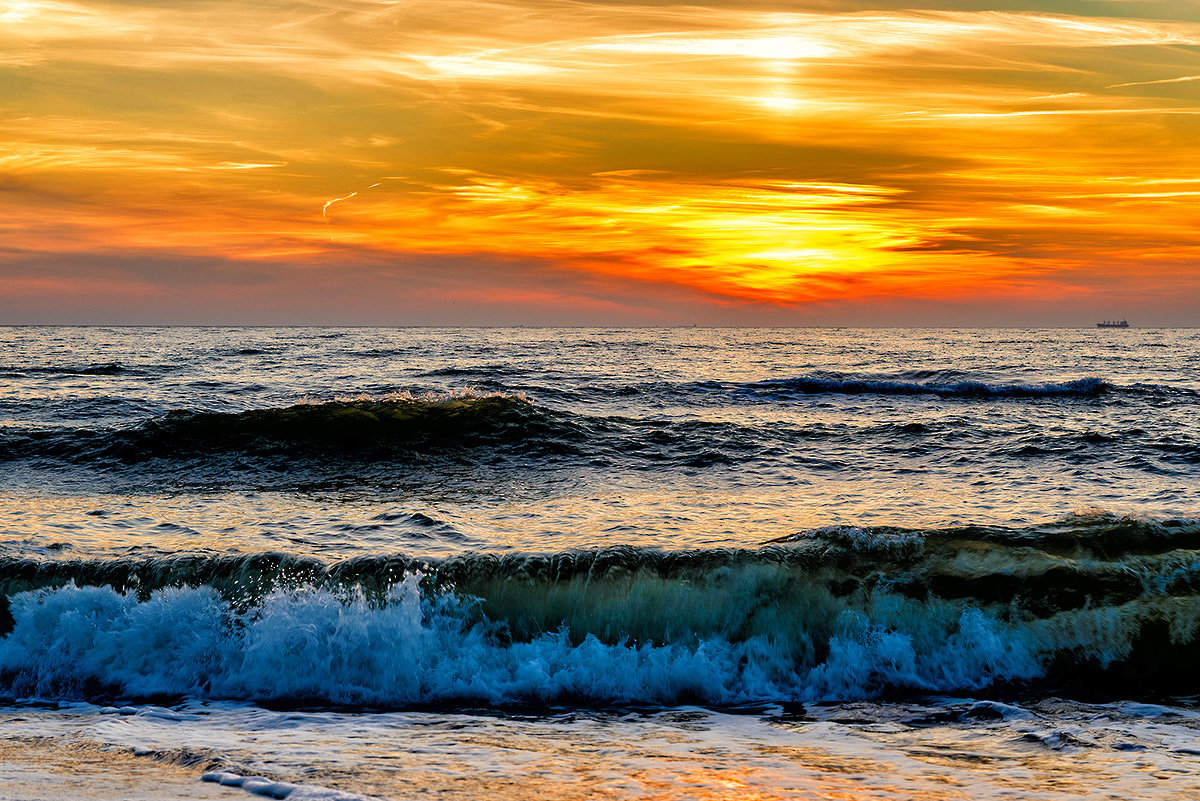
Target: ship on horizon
1113,324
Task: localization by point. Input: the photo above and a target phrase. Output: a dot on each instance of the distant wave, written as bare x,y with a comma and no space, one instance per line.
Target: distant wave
305,441
943,383
107,368
837,385
1129,446
491,371
1098,605
949,384
360,426
370,430
353,427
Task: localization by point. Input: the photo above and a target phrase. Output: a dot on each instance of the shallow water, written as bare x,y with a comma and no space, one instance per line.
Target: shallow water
682,562
934,748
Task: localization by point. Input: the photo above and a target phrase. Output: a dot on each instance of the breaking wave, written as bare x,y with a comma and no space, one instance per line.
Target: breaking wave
1095,604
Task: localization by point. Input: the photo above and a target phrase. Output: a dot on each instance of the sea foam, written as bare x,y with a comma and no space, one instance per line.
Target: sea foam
836,613
337,647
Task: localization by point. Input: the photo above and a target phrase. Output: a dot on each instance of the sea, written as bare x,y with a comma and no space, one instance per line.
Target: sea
589,563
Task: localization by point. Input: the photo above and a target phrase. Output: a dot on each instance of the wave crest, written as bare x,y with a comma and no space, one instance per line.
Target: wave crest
318,645
106,368
360,426
780,388
837,614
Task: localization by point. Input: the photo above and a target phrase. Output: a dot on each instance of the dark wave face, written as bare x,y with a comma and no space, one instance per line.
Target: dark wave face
312,439
318,436
110,368
1089,606
362,427
371,430
835,384
948,385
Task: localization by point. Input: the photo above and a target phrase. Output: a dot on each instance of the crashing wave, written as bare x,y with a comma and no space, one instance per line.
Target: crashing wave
1107,606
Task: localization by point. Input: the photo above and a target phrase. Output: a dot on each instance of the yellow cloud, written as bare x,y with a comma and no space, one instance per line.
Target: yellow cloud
778,154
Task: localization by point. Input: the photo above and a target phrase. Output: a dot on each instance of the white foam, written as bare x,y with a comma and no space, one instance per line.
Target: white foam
868,541
338,647
999,710
280,790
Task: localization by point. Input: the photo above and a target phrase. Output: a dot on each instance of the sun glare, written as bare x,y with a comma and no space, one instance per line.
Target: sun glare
780,102
774,48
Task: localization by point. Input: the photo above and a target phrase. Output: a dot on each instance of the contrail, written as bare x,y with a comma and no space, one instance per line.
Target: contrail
328,203
1148,83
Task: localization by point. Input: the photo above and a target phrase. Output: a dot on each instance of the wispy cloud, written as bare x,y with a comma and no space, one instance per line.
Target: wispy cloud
786,153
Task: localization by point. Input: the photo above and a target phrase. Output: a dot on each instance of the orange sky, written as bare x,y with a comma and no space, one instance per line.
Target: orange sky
542,161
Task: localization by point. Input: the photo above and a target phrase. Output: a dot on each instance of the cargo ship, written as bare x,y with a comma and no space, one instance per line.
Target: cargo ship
1113,324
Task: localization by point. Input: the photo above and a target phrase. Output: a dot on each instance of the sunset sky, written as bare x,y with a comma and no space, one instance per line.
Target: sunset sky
830,162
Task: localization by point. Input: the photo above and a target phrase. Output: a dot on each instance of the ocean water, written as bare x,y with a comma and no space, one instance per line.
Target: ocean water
599,563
